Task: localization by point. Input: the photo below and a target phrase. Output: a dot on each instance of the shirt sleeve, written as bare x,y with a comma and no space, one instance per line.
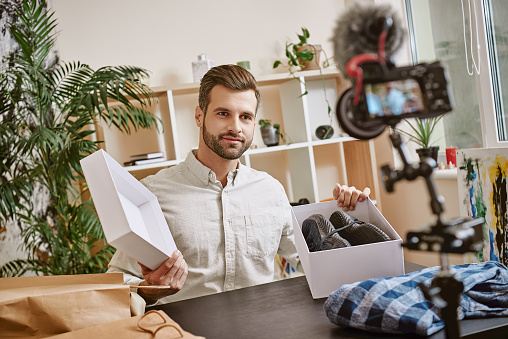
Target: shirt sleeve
287,247
122,263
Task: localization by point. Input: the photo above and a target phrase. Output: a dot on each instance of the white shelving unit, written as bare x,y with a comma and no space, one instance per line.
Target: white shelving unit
306,166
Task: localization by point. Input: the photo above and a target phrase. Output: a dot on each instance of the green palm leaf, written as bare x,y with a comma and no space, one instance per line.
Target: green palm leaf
421,130
14,268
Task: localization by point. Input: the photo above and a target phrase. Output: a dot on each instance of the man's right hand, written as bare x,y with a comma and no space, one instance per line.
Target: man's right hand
172,273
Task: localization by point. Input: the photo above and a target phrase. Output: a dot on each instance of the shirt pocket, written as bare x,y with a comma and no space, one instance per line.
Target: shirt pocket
263,235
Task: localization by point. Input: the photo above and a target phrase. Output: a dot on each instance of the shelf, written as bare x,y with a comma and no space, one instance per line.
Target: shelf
166,163
307,167
255,151
190,88
299,145
277,78
333,141
445,174
276,148
262,80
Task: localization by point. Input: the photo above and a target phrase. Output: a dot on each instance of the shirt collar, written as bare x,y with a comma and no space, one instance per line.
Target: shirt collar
204,173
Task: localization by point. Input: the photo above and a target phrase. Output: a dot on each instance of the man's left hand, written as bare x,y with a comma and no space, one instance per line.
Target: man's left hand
348,196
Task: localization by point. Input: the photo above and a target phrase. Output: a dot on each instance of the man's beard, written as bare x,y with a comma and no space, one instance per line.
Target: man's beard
225,152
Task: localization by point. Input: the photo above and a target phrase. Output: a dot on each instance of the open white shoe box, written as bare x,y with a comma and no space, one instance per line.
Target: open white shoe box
130,214
327,270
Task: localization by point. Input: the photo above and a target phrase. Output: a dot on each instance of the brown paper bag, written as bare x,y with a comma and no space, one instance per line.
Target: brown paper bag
152,325
49,305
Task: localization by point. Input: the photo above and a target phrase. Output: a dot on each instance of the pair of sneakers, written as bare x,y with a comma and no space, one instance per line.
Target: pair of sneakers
340,230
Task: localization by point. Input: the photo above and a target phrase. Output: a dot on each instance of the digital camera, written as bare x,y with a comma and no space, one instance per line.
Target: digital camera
390,95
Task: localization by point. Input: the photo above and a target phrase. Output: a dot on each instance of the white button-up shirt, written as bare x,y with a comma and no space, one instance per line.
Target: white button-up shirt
228,236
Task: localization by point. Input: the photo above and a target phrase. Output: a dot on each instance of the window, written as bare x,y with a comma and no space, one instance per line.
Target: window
437,29
497,37
470,37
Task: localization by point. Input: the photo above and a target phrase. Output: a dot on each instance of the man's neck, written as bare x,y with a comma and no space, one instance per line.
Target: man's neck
220,166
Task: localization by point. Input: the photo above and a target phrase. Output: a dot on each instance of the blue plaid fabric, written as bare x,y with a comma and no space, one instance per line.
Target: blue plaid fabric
397,305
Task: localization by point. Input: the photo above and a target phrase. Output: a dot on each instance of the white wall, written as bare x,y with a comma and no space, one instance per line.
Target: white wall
165,36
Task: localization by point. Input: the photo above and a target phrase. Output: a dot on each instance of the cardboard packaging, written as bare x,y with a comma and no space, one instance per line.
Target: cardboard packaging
42,306
327,270
130,214
153,324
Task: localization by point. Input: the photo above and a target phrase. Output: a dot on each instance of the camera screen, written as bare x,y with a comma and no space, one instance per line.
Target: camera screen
396,97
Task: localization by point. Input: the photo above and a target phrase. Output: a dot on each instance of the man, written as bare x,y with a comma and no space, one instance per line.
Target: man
228,220
394,99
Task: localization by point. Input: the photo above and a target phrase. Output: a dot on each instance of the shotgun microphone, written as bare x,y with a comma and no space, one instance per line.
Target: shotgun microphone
358,31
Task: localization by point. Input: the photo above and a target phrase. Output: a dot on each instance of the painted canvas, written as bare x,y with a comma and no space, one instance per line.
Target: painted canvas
482,185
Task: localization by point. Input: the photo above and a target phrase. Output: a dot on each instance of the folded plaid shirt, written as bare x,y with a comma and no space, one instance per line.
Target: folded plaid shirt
397,305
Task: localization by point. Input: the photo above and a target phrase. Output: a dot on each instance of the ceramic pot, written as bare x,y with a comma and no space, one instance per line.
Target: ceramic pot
314,63
430,152
270,136
324,132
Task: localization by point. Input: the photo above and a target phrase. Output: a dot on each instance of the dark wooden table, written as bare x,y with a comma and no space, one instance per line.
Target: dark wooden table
285,309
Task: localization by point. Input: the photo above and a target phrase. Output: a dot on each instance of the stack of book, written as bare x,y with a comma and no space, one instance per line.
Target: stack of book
147,158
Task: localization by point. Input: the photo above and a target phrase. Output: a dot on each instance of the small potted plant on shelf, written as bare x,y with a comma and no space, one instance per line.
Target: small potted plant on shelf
421,134
303,56
270,132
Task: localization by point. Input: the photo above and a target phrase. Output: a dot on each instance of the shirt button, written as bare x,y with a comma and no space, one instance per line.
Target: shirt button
228,286
210,175
228,255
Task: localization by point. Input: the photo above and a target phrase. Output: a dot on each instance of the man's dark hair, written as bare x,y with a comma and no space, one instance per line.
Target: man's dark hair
233,77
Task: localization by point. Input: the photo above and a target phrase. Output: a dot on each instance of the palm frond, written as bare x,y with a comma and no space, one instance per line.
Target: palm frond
99,261
422,130
14,268
69,79
36,34
122,117
14,191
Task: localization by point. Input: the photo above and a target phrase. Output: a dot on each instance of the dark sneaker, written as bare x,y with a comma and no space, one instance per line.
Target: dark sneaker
320,234
356,231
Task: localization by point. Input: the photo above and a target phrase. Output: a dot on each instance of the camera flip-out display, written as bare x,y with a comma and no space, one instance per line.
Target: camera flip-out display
404,92
389,95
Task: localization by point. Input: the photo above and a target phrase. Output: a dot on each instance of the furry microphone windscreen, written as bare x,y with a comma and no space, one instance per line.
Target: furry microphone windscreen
358,30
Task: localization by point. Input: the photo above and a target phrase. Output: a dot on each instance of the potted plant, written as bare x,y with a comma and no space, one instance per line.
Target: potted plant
270,132
48,116
304,56
421,134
